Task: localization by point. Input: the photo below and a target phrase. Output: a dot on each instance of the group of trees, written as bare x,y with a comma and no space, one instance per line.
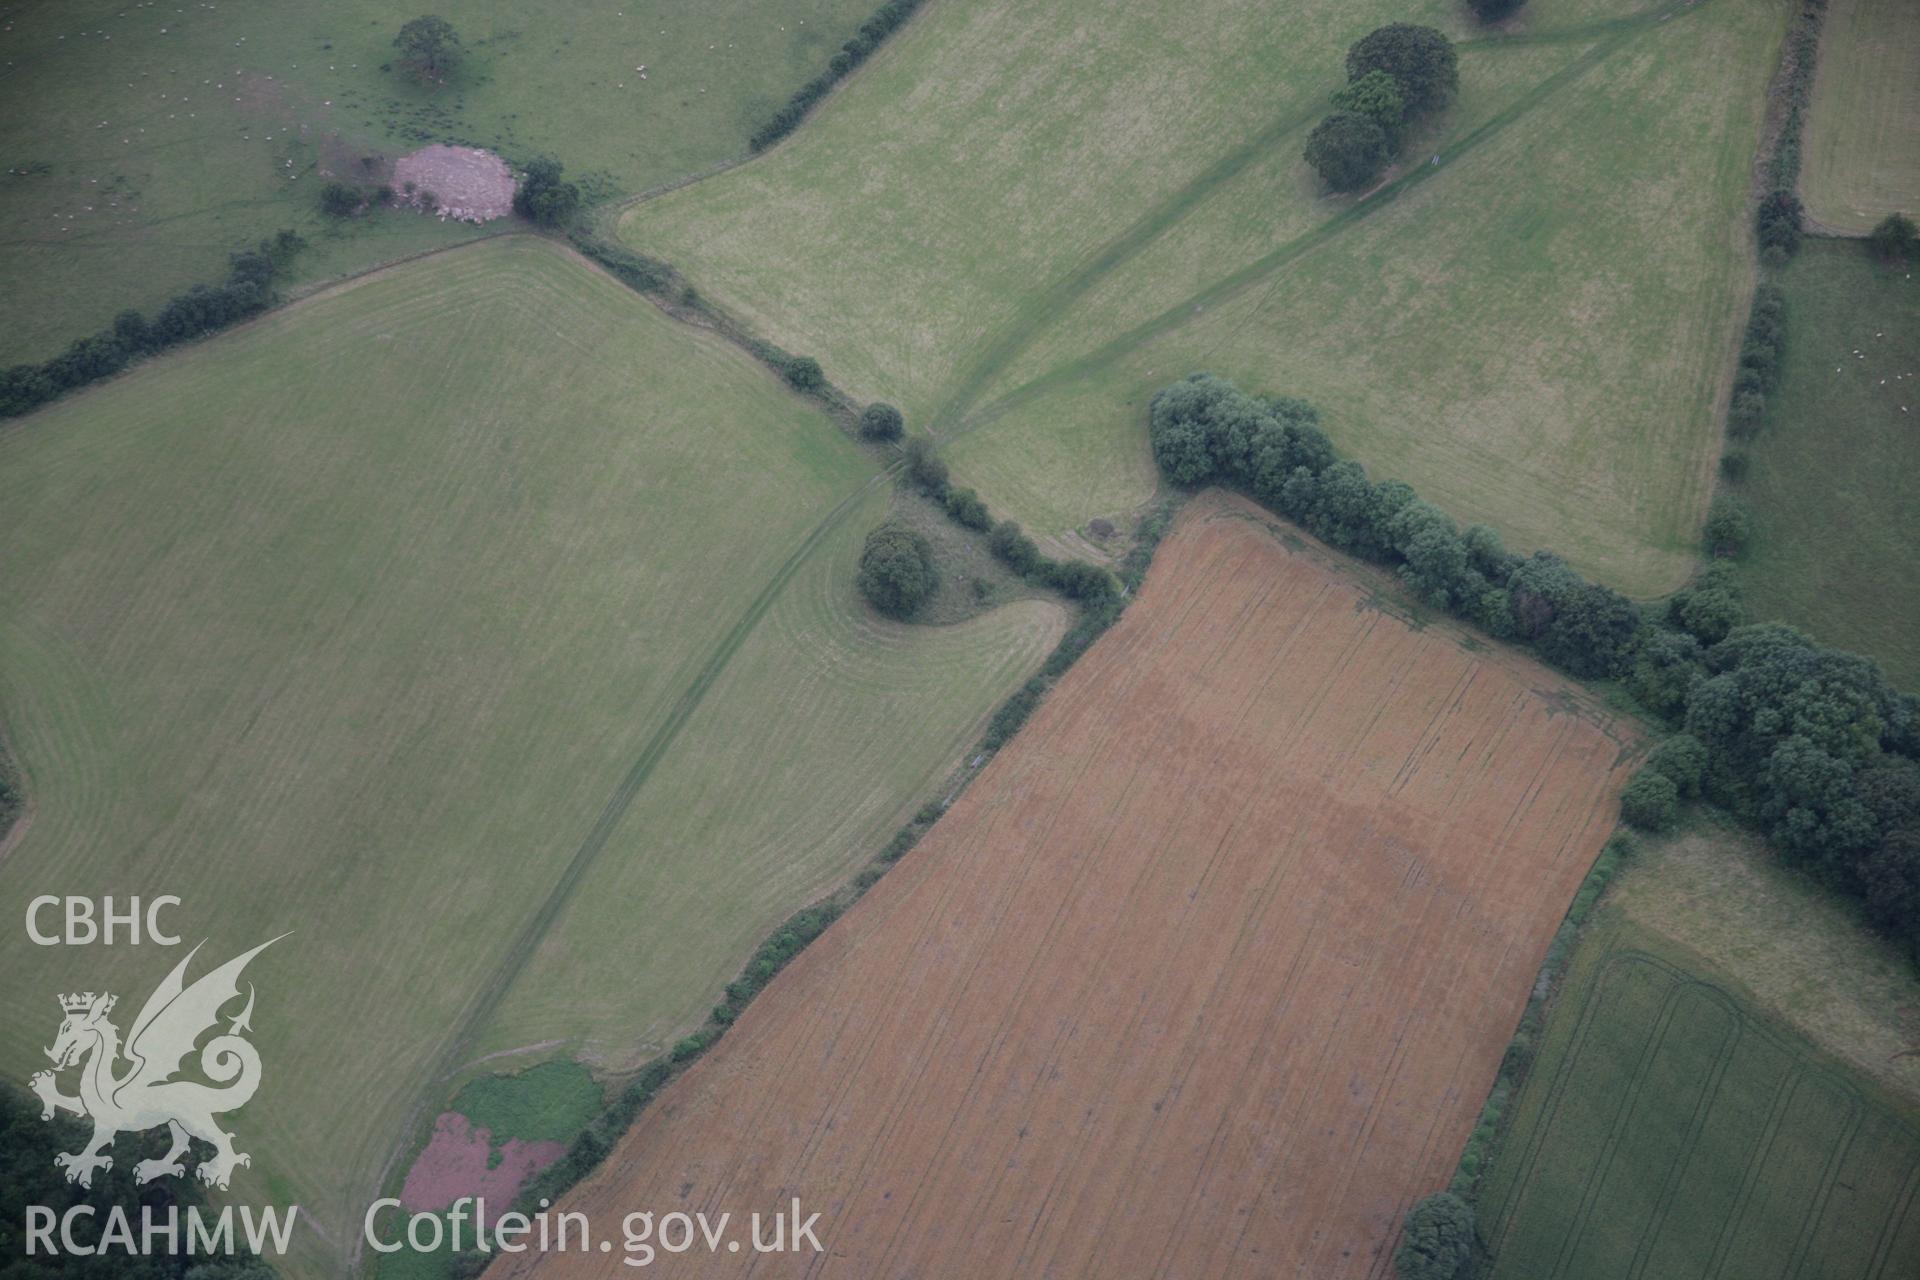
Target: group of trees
1894,239
1205,430
1438,1239
344,199
201,310
1810,744
1395,75
543,197
885,21
28,1176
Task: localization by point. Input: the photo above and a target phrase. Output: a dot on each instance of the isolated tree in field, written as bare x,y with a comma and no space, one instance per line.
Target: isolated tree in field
881,421
1348,150
1894,239
1420,59
1437,1239
543,197
896,570
1375,95
429,49
339,200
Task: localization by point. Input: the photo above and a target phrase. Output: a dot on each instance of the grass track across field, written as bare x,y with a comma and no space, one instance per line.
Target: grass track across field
959,414
972,316
351,622
1270,859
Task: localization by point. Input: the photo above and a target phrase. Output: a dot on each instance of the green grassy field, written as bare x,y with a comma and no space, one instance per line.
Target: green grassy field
1863,132
795,724
1670,1129
1832,470
1018,224
375,620
548,1103
143,142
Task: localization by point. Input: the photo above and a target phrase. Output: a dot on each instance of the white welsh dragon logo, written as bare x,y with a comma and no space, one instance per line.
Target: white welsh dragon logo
145,1096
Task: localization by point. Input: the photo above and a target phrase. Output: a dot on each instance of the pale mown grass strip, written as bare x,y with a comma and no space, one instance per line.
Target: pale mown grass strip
1801,953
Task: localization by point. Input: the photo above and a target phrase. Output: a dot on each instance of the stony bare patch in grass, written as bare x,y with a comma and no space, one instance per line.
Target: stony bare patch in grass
467,184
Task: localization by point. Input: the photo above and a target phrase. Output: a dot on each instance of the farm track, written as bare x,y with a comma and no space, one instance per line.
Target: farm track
1107,897
957,417
488,998
953,420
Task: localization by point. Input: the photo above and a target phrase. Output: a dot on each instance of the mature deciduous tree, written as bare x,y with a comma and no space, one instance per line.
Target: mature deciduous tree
1348,150
896,570
429,48
1437,1239
1420,59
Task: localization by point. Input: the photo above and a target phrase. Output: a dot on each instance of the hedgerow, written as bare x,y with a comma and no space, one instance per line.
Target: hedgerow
887,19
1810,744
186,317
1762,351
1779,218
591,1146
1075,579
1518,1060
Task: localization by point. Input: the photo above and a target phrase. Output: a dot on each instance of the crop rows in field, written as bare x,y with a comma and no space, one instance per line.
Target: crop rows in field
1208,971
1669,1132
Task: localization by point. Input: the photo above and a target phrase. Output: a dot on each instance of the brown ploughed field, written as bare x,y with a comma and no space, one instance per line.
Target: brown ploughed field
1207,974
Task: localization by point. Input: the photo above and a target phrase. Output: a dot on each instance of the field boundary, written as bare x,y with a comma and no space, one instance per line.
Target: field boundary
799,930
16,799
487,998
958,416
613,209
1808,1066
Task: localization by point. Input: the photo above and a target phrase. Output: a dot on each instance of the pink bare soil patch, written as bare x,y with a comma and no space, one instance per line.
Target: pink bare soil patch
455,1165
466,183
